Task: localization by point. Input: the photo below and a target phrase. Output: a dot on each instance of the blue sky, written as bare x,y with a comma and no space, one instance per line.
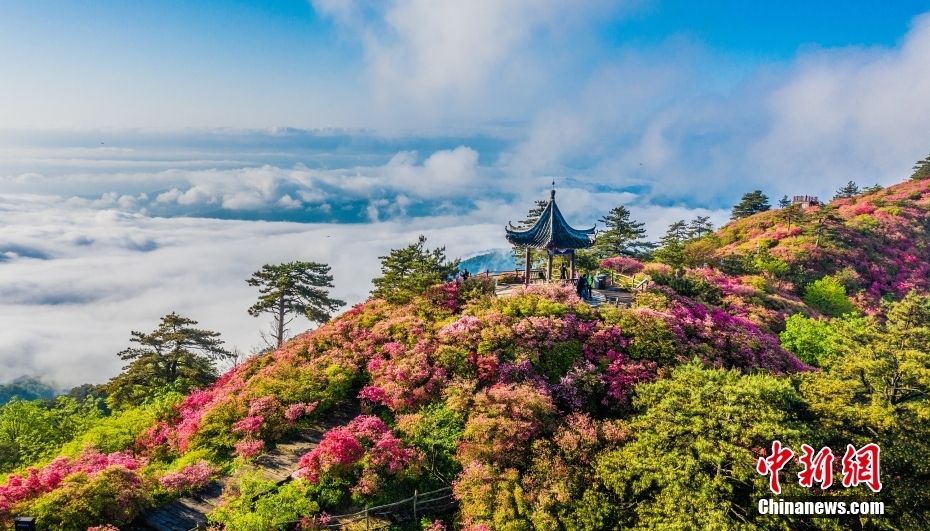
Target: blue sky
295,63
154,154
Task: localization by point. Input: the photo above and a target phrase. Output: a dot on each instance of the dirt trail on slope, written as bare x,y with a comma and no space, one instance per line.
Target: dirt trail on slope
190,512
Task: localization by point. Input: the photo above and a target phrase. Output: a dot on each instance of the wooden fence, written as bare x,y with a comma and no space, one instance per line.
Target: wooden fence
405,510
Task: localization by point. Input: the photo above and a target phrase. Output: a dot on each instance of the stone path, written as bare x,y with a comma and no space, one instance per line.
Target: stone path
185,514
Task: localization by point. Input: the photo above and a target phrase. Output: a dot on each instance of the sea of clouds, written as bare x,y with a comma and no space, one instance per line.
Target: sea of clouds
109,230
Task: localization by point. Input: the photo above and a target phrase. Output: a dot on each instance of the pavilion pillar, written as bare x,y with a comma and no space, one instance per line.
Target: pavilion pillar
549,272
573,264
526,271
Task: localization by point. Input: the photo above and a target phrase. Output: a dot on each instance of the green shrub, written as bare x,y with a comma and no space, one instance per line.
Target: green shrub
435,430
120,430
689,286
555,363
828,296
764,262
81,502
809,339
272,508
455,359
525,305
650,336
736,264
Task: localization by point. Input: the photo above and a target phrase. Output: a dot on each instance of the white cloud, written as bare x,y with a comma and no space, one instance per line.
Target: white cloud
657,119
445,173
449,58
857,114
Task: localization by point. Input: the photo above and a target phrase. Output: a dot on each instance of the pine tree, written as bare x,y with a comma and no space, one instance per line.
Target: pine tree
407,272
784,202
850,189
791,214
751,203
872,189
175,356
292,289
672,245
700,227
827,224
921,169
621,235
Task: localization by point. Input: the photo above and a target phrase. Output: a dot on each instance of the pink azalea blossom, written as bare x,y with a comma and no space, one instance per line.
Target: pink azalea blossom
248,448
249,425
189,478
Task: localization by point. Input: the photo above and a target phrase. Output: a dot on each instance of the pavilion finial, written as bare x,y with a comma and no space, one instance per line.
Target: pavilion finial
552,193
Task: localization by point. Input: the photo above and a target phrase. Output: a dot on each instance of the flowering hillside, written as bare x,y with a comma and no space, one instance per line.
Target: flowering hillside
877,242
541,412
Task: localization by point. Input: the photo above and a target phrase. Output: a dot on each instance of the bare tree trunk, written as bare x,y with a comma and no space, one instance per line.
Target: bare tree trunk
280,334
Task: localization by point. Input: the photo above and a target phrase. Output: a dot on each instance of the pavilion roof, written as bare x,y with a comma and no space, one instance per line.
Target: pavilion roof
551,231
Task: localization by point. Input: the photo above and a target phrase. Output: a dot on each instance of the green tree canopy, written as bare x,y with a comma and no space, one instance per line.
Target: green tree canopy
291,289
672,245
31,430
621,235
406,272
751,203
689,458
874,387
921,169
699,227
784,202
828,296
175,356
850,189
791,214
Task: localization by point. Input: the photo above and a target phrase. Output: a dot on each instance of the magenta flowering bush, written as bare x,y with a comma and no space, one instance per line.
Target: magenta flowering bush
249,425
188,479
402,378
561,293
445,296
295,412
503,421
248,448
724,340
622,264
365,452
532,334
622,375
35,482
